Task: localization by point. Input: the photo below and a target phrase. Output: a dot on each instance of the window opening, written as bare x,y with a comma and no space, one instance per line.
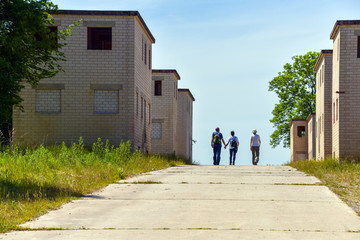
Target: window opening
99,38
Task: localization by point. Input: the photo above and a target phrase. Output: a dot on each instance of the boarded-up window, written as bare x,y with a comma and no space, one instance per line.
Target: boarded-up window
106,101
158,88
156,131
48,101
99,38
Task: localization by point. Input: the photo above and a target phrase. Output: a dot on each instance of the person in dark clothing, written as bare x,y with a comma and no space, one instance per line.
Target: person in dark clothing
216,140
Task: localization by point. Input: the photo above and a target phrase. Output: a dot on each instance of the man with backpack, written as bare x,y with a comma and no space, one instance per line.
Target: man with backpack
234,144
255,143
216,139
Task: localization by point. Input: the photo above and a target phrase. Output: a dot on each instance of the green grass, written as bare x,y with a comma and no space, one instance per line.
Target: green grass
35,180
343,178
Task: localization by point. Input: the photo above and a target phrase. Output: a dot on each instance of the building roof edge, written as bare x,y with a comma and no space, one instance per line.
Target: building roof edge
296,120
321,56
310,115
135,14
167,71
338,23
188,91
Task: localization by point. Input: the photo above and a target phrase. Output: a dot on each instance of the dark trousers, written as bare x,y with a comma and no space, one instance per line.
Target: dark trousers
233,155
255,155
217,152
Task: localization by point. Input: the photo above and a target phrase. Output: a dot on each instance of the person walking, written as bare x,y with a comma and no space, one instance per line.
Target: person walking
255,143
216,139
234,145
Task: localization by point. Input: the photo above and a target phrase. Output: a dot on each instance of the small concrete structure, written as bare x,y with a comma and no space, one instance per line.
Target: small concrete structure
323,69
311,123
298,140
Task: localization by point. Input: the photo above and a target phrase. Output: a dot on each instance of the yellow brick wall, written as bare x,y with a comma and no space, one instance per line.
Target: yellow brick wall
165,113
86,71
184,124
324,107
346,69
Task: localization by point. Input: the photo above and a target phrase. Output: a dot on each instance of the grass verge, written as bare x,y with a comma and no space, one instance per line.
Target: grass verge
343,178
36,180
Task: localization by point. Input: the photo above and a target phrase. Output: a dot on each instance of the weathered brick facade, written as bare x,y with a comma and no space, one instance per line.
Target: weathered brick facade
346,89
185,123
323,69
165,111
102,93
338,95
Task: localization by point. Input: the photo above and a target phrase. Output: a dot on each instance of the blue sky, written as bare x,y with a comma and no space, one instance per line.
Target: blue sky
226,52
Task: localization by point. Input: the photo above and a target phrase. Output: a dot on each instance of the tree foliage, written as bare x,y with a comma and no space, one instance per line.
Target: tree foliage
28,50
295,87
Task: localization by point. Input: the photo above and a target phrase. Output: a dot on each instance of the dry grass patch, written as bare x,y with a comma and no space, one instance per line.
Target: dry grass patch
343,178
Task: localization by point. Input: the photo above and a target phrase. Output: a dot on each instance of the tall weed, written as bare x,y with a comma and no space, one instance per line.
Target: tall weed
33,180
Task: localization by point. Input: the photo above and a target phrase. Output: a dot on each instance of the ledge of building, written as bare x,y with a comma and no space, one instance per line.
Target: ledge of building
310,116
296,120
106,13
321,56
338,23
188,91
167,71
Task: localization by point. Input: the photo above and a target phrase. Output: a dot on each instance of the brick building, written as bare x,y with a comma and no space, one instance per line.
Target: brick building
323,69
165,110
346,88
338,95
105,90
184,135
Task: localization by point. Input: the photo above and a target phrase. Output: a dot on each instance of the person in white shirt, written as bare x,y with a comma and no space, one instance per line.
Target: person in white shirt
255,143
234,145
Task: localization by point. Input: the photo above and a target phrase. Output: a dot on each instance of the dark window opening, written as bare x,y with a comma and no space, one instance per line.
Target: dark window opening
145,52
157,88
99,38
358,47
301,131
149,59
52,33
142,104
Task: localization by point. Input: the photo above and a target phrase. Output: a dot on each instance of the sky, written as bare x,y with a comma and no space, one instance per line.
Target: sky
226,52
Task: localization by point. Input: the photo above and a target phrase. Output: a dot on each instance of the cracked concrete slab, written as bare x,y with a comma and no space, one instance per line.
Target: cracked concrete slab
203,202
178,235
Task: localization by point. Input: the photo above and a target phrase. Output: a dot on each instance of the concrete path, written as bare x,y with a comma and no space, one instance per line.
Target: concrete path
203,202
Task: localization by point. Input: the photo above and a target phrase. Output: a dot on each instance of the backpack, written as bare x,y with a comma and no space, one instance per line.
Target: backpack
217,139
233,143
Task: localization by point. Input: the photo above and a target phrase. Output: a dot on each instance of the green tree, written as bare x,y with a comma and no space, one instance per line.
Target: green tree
295,87
29,51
